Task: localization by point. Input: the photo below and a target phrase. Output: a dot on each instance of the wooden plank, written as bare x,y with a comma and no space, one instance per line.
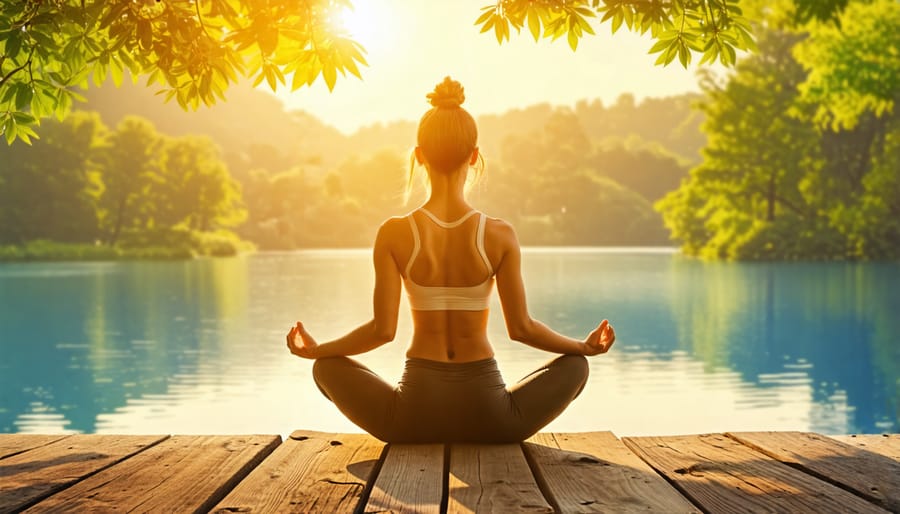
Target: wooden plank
310,472
870,475
722,475
11,444
411,480
180,474
29,477
492,478
884,444
591,472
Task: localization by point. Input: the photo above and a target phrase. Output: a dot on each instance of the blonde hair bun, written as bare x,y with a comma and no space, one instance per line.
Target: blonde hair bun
448,94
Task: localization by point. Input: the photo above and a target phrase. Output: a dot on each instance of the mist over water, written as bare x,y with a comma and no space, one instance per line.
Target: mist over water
198,346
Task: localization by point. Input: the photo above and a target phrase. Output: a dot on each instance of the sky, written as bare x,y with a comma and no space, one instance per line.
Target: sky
413,44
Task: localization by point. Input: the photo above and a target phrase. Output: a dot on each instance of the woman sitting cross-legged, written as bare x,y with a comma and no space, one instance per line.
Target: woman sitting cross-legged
448,256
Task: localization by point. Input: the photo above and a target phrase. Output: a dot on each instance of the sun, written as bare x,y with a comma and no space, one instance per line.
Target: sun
364,23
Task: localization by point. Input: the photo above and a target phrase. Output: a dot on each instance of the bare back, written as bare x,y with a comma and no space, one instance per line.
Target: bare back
447,257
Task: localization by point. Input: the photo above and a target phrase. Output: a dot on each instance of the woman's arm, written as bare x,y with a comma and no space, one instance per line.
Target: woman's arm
521,326
377,331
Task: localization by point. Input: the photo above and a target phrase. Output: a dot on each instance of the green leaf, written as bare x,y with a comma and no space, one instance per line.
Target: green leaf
709,55
12,46
684,54
64,104
659,46
24,94
10,93
117,72
9,130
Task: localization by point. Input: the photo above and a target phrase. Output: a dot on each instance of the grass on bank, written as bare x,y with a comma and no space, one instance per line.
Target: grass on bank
169,244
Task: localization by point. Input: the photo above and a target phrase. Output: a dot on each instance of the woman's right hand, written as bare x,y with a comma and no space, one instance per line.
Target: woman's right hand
600,340
301,343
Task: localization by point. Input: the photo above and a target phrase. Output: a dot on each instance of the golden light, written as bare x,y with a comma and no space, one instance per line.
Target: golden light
365,23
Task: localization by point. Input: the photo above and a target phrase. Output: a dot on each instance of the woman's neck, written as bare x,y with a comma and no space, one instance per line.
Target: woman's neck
447,198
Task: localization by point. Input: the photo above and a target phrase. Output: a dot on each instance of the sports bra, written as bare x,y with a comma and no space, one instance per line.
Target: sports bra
448,298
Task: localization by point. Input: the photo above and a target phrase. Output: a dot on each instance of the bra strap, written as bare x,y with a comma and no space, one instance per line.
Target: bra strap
416,243
479,242
447,224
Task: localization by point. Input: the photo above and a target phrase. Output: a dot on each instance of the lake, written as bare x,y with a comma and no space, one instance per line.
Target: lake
198,346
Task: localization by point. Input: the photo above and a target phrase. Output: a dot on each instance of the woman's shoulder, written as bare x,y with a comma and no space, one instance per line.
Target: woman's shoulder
393,225
499,229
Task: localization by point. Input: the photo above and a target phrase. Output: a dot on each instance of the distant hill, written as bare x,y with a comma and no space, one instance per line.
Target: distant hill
255,131
252,126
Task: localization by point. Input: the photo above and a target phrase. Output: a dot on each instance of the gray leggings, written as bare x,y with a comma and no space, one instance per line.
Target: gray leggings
437,402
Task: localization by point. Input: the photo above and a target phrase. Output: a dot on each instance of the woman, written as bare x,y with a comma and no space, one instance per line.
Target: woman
448,256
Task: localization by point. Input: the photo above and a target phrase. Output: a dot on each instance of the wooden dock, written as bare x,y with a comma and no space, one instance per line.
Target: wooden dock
789,472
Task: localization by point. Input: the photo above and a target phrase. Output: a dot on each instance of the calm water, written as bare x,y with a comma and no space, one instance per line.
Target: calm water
198,347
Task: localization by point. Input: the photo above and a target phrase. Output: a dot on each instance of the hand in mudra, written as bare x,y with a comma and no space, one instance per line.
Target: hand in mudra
600,340
300,343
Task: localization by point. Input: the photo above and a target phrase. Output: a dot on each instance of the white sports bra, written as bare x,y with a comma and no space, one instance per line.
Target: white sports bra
449,298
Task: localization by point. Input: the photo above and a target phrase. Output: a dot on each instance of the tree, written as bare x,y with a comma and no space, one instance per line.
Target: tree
193,187
195,49
781,177
757,153
49,190
849,76
128,161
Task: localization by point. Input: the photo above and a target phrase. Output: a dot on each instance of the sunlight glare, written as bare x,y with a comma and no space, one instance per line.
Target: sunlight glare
365,23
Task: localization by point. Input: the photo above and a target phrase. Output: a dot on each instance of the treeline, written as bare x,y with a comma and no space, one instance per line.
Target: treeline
84,191
581,175
803,158
554,184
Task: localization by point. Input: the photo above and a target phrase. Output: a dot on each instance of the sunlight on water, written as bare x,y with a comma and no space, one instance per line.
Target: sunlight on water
198,347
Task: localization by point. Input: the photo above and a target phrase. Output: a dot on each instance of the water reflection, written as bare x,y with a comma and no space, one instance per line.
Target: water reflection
197,347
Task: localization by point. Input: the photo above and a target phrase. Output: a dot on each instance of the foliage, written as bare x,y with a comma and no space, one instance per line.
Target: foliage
44,250
50,190
716,29
144,194
195,50
182,242
774,183
850,74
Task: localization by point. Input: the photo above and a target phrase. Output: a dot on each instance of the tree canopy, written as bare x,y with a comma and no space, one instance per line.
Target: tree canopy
194,49
801,161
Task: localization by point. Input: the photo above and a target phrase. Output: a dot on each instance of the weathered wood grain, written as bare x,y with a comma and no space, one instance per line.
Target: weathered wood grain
309,472
591,472
870,475
492,478
180,474
33,475
884,444
722,475
11,444
411,480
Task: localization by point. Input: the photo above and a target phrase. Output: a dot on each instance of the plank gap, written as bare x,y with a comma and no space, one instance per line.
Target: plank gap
367,490
58,487
45,440
539,476
445,481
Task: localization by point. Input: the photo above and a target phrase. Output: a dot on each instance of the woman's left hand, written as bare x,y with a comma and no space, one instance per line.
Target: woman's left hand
300,343
600,340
